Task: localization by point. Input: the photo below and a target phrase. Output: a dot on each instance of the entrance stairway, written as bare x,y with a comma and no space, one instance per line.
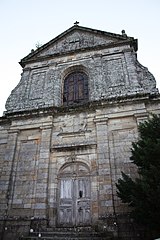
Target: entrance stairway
67,234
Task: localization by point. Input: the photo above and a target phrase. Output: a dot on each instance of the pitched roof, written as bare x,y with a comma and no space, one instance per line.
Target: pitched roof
119,38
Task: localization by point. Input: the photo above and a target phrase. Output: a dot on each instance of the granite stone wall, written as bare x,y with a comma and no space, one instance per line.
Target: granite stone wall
35,149
112,72
39,136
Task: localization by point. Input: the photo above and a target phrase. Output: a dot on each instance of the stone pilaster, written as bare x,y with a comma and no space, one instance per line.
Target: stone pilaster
10,163
42,173
131,69
104,168
7,179
141,117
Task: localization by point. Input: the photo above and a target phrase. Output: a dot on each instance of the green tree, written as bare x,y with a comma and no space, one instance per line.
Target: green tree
143,193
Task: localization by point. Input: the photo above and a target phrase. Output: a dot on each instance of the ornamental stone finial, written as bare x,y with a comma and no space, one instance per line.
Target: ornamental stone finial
76,23
124,33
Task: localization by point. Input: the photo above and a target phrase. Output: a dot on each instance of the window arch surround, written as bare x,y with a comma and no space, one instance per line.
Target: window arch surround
75,86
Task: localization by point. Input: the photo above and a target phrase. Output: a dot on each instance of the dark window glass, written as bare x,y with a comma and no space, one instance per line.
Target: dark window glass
75,88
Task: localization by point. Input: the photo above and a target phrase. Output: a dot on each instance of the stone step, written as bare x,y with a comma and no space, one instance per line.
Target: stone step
66,238
66,235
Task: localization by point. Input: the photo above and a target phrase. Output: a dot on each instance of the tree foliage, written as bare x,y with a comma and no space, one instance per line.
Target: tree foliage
143,193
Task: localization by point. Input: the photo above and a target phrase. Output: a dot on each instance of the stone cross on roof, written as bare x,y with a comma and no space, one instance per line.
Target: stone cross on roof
76,23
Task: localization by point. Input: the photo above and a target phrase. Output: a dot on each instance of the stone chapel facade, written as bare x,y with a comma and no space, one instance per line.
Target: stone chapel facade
67,131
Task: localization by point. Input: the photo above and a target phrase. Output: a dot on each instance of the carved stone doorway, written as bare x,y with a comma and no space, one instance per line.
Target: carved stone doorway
74,195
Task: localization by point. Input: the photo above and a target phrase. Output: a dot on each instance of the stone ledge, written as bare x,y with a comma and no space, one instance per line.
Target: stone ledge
73,146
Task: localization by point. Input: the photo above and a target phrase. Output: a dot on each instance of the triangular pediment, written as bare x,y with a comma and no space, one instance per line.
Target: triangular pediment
75,38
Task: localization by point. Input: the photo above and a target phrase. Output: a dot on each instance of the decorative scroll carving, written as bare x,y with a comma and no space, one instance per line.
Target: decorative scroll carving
145,78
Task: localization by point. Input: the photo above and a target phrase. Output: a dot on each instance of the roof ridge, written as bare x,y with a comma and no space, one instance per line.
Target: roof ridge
33,52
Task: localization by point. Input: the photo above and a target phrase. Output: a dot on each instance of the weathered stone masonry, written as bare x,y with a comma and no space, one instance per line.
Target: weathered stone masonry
59,164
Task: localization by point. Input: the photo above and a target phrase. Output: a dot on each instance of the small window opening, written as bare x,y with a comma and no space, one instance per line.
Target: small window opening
75,89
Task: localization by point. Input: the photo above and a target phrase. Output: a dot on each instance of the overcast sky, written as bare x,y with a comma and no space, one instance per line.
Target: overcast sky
24,23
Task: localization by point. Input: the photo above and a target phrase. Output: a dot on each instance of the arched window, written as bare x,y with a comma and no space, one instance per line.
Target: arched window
75,88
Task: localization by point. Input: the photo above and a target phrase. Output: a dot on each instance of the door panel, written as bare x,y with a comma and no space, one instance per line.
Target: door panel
65,216
65,202
83,201
66,189
74,197
83,213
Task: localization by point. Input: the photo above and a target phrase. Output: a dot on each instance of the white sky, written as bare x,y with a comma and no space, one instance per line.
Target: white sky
23,23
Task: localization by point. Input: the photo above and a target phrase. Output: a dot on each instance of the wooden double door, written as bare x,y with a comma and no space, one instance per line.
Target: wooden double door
74,195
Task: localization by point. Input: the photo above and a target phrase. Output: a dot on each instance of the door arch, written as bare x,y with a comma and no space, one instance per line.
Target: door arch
74,195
